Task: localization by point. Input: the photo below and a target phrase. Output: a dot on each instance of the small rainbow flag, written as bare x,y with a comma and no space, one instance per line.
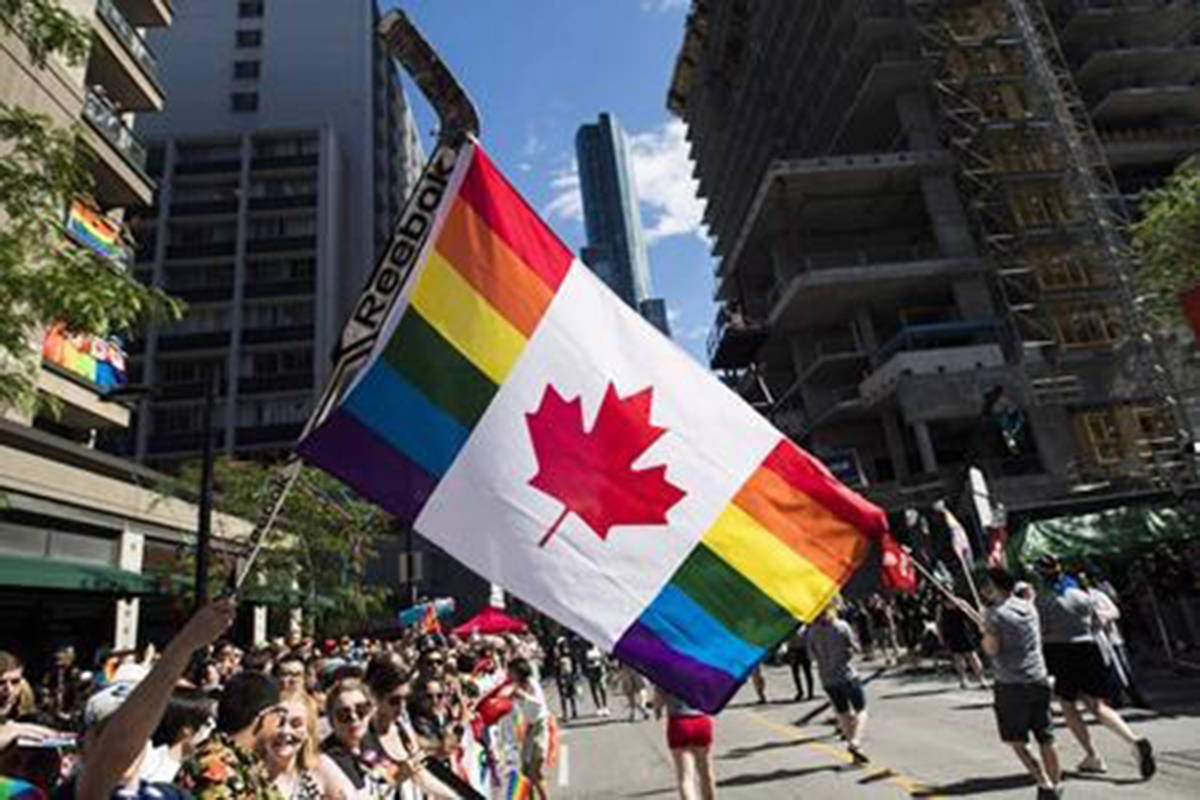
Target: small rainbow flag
95,231
528,422
519,787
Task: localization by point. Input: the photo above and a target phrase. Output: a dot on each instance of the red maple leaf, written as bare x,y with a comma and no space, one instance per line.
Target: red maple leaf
591,471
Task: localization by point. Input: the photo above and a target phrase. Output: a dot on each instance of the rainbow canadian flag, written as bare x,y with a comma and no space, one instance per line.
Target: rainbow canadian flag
523,418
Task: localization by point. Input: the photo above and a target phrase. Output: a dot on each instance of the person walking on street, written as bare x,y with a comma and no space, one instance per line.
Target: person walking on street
690,739
832,643
1072,656
566,676
1012,638
799,660
595,669
961,638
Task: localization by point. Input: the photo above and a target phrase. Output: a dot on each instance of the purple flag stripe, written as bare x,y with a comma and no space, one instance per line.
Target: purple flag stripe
347,448
698,684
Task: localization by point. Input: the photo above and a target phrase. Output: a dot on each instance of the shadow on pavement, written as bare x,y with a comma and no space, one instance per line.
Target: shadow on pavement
970,786
919,693
745,752
1082,776
754,778
973,706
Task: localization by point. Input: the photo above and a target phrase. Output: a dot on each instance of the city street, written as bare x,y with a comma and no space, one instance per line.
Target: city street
926,738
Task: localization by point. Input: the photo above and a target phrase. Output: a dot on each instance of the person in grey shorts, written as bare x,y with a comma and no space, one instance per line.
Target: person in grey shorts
832,644
1012,638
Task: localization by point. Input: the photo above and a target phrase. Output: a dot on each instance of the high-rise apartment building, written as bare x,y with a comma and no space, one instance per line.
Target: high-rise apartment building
917,208
79,528
282,167
616,248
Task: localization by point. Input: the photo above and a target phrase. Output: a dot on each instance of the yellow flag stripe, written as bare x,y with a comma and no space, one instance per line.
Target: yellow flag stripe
777,570
466,319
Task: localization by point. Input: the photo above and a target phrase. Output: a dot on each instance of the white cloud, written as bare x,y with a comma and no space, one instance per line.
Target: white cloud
695,334
567,202
524,166
666,189
533,145
662,6
674,315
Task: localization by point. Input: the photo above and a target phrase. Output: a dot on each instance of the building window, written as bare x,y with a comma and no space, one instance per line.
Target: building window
246,69
249,38
250,8
245,101
1089,325
1102,437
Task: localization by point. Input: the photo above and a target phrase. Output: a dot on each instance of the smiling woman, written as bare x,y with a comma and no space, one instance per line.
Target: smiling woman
291,754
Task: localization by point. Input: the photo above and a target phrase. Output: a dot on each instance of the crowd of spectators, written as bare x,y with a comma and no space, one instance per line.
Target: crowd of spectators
422,715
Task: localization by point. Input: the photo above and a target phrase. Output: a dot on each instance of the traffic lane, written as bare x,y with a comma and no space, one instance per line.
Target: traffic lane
942,740
925,736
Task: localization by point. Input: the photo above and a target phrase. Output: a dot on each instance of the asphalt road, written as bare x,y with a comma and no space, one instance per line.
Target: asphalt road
925,736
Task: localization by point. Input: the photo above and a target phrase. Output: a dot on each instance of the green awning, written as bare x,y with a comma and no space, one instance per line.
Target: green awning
1103,533
26,572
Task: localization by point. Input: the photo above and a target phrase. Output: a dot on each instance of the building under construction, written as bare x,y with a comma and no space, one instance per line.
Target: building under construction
918,209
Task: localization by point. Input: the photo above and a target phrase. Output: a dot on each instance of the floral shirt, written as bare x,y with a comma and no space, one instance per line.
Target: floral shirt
221,770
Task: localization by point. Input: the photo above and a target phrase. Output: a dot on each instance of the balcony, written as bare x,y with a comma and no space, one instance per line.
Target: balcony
734,340
120,164
122,63
147,13
942,351
829,287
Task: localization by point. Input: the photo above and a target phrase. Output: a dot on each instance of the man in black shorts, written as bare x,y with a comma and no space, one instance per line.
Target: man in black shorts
1012,638
832,644
1074,659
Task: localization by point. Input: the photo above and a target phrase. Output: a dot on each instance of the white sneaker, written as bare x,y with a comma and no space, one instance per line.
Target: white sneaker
1093,765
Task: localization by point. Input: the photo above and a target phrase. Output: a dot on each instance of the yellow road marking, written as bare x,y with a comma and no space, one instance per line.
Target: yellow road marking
905,782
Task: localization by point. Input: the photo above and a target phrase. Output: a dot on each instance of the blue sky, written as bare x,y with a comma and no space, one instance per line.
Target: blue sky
537,69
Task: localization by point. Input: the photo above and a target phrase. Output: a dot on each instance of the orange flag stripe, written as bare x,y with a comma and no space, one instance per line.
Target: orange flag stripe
487,263
831,544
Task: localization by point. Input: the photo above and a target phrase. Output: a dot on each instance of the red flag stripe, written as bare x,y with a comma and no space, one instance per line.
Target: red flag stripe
510,217
811,477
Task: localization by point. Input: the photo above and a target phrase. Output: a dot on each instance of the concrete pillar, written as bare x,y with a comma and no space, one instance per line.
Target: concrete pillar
973,299
894,439
295,623
130,550
942,201
925,446
867,340
259,628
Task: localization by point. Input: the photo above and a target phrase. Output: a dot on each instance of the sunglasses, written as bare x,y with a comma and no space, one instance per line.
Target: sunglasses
348,714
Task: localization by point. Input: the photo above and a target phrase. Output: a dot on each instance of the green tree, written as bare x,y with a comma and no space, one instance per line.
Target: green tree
318,553
43,278
1167,240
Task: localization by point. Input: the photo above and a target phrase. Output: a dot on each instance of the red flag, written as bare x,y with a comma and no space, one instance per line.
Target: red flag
899,572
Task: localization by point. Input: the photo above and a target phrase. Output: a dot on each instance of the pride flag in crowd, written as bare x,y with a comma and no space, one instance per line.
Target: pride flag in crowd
541,432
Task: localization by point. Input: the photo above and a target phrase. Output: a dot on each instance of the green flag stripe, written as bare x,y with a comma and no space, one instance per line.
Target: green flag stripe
732,599
438,369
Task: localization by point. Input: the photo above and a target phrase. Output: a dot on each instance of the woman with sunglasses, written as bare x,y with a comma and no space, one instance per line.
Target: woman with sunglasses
291,757
392,735
350,711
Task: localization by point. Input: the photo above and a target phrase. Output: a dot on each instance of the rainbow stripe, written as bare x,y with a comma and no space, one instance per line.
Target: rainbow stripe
782,548
486,284
519,787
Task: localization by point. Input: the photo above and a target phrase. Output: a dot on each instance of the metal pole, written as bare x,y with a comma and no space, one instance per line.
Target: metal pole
204,526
